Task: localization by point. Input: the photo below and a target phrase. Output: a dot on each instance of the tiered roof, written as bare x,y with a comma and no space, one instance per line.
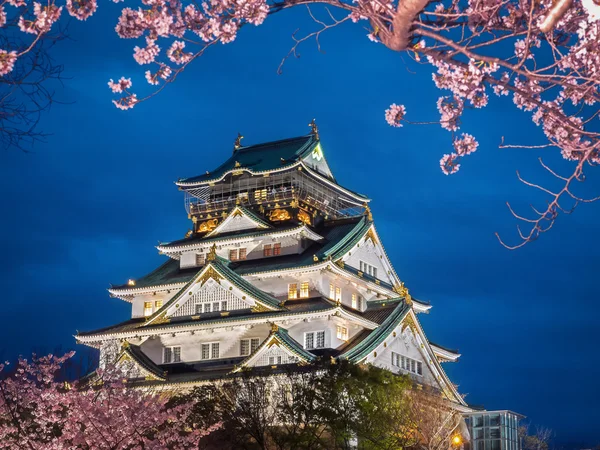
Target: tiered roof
329,241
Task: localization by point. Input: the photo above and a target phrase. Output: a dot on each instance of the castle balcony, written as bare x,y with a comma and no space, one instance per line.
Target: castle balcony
271,192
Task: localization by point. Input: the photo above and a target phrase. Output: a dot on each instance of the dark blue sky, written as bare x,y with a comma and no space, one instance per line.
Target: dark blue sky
87,208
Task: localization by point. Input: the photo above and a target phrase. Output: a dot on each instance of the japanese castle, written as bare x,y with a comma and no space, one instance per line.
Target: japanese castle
283,266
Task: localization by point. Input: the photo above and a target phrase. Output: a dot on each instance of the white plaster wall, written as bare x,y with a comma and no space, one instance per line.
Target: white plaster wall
137,305
371,254
188,259
191,349
404,344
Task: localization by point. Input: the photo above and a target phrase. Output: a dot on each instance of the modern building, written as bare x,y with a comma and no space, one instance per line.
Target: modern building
282,265
493,430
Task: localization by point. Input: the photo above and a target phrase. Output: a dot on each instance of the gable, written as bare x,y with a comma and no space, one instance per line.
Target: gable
368,254
238,220
212,292
407,339
273,354
316,161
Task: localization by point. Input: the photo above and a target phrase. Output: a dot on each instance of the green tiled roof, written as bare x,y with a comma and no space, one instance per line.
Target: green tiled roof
136,353
291,307
350,240
167,273
360,351
230,235
293,345
221,266
451,350
261,157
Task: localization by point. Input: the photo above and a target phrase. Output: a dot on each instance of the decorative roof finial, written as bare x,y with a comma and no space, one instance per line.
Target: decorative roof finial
238,142
274,327
314,130
212,255
368,212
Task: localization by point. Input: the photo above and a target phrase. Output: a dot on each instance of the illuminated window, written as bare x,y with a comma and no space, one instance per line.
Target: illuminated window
331,292
338,294
242,254
147,309
267,251
260,194
292,291
199,259
354,300
158,304
171,355
304,290
320,339
233,255
276,249
342,333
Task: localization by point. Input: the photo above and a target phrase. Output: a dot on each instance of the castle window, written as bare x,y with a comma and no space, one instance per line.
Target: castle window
210,350
338,294
354,300
242,254
248,346
314,339
199,259
267,250
216,306
276,249
233,255
224,305
342,333
408,364
171,355
158,304
292,291
272,360
147,309
304,290
368,269
202,308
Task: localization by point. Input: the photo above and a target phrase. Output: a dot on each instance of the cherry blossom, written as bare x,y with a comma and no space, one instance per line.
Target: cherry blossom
122,85
7,61
39,411
395,114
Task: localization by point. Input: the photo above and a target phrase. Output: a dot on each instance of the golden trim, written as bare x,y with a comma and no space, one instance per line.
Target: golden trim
210,273
304,217
279,214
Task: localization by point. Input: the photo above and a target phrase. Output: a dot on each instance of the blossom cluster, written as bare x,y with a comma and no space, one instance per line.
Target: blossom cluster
38,411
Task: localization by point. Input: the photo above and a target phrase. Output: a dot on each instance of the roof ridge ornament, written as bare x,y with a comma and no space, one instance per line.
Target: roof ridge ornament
212,255
238,142
368,212
314,130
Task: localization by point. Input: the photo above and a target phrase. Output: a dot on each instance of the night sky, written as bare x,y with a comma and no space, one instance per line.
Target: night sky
87,208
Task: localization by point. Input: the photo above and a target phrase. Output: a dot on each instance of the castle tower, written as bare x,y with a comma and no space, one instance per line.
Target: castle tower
282,266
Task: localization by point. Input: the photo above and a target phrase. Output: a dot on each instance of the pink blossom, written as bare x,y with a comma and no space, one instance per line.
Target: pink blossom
148,54
126,102
395,114
449,164
17,3
81,9
465,145
7,61
122,85
176,53
450,108
2,16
